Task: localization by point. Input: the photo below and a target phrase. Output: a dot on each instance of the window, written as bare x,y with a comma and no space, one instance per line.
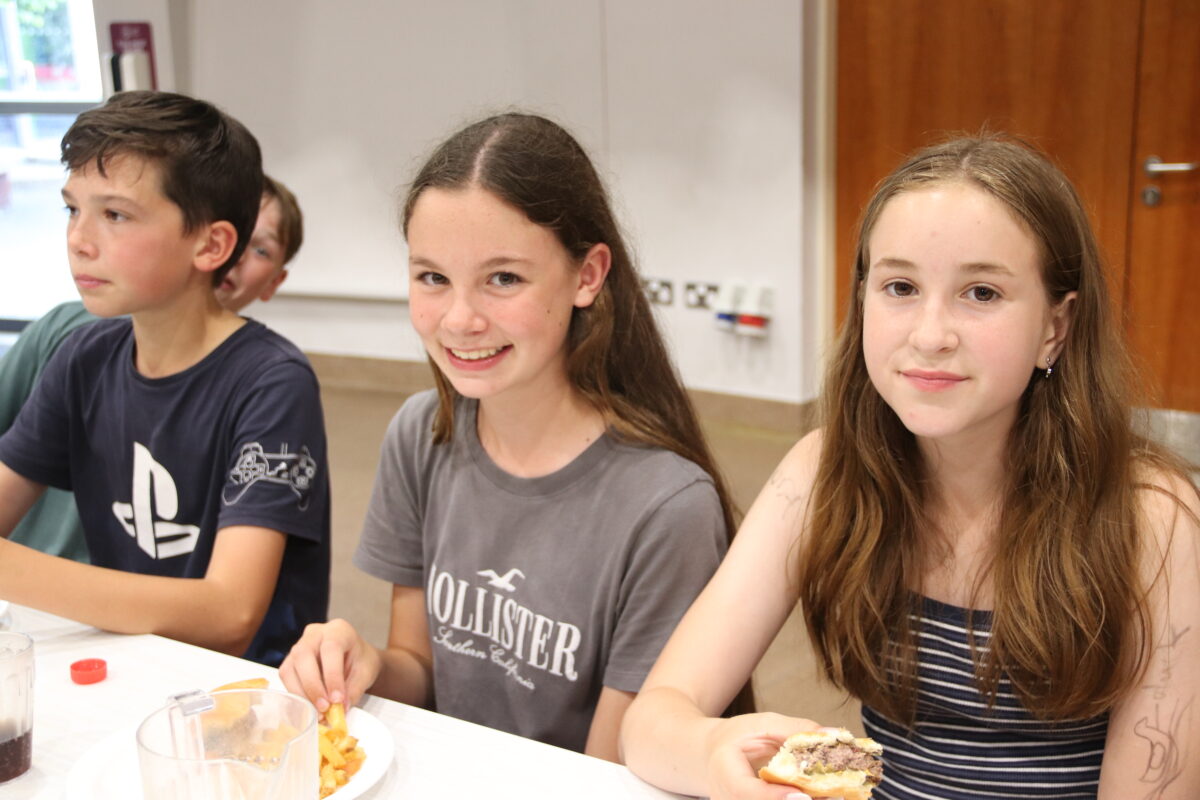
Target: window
49,72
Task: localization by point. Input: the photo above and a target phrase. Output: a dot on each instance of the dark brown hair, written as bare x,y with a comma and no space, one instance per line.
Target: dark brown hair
211,165
291,218
1069,626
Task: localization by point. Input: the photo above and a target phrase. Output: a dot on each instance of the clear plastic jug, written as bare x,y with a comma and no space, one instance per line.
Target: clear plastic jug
239,744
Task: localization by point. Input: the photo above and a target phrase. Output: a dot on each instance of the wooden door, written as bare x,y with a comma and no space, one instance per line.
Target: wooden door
1164,239
1099,86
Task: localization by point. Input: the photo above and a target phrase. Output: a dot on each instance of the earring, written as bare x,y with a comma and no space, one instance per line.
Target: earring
1049,368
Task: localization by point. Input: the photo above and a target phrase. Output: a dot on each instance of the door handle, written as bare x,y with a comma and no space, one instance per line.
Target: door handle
1154,166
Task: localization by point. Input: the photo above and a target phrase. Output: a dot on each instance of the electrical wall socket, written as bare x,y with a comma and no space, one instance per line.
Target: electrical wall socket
659,291
700,295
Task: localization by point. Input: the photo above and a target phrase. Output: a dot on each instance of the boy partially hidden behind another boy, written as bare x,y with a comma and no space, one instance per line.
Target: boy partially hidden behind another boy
192,438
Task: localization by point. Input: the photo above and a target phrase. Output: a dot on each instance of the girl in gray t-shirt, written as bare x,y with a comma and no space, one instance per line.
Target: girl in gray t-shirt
547,516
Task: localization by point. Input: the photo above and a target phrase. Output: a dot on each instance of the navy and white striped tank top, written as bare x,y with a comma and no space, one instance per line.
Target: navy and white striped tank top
959,749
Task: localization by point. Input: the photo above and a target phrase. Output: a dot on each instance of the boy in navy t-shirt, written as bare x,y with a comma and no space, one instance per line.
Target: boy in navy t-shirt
192,438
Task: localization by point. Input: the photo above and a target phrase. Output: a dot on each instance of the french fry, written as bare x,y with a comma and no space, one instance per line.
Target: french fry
230,708
328,780
335,717
249,683
330,753
354,761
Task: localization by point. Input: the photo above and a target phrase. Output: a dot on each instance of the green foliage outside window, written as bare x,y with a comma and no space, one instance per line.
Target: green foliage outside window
46,31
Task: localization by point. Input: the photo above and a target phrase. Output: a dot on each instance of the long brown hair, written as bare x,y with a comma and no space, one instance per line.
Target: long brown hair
1069,623
616,358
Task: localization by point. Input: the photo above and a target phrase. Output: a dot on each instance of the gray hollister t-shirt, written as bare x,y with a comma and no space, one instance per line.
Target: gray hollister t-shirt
539,591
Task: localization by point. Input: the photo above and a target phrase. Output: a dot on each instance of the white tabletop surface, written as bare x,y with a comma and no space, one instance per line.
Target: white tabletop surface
435,756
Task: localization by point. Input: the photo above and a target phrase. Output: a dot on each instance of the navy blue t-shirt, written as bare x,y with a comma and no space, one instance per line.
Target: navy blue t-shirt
158,466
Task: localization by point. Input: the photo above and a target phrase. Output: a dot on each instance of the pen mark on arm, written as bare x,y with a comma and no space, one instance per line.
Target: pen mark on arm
785,486
1167,728
1164,764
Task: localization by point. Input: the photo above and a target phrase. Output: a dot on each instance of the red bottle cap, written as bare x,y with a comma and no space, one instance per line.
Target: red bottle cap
89,670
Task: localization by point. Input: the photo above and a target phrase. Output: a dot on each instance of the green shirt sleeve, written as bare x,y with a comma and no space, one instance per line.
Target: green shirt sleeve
21,366
52,525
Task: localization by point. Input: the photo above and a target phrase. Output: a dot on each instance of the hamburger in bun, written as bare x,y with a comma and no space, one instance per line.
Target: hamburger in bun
827,764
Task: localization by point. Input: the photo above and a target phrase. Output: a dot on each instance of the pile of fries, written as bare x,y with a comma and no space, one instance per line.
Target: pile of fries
341,756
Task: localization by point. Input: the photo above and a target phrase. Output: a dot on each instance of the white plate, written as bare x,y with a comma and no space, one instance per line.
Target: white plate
376,741
109,769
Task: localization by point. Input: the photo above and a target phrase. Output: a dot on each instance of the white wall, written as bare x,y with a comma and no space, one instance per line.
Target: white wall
704,103
694,110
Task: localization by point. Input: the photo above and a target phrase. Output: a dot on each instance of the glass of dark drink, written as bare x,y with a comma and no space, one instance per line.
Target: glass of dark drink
16,704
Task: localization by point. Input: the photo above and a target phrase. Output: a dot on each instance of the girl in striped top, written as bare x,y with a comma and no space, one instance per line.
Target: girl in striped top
986,554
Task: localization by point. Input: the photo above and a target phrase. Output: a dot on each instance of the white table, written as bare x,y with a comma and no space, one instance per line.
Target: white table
436,756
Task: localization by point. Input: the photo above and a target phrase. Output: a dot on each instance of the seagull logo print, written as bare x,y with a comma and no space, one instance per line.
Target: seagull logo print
501,581
297,471
153,494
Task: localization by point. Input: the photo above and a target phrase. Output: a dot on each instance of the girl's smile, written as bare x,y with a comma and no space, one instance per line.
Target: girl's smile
933,381
477,359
